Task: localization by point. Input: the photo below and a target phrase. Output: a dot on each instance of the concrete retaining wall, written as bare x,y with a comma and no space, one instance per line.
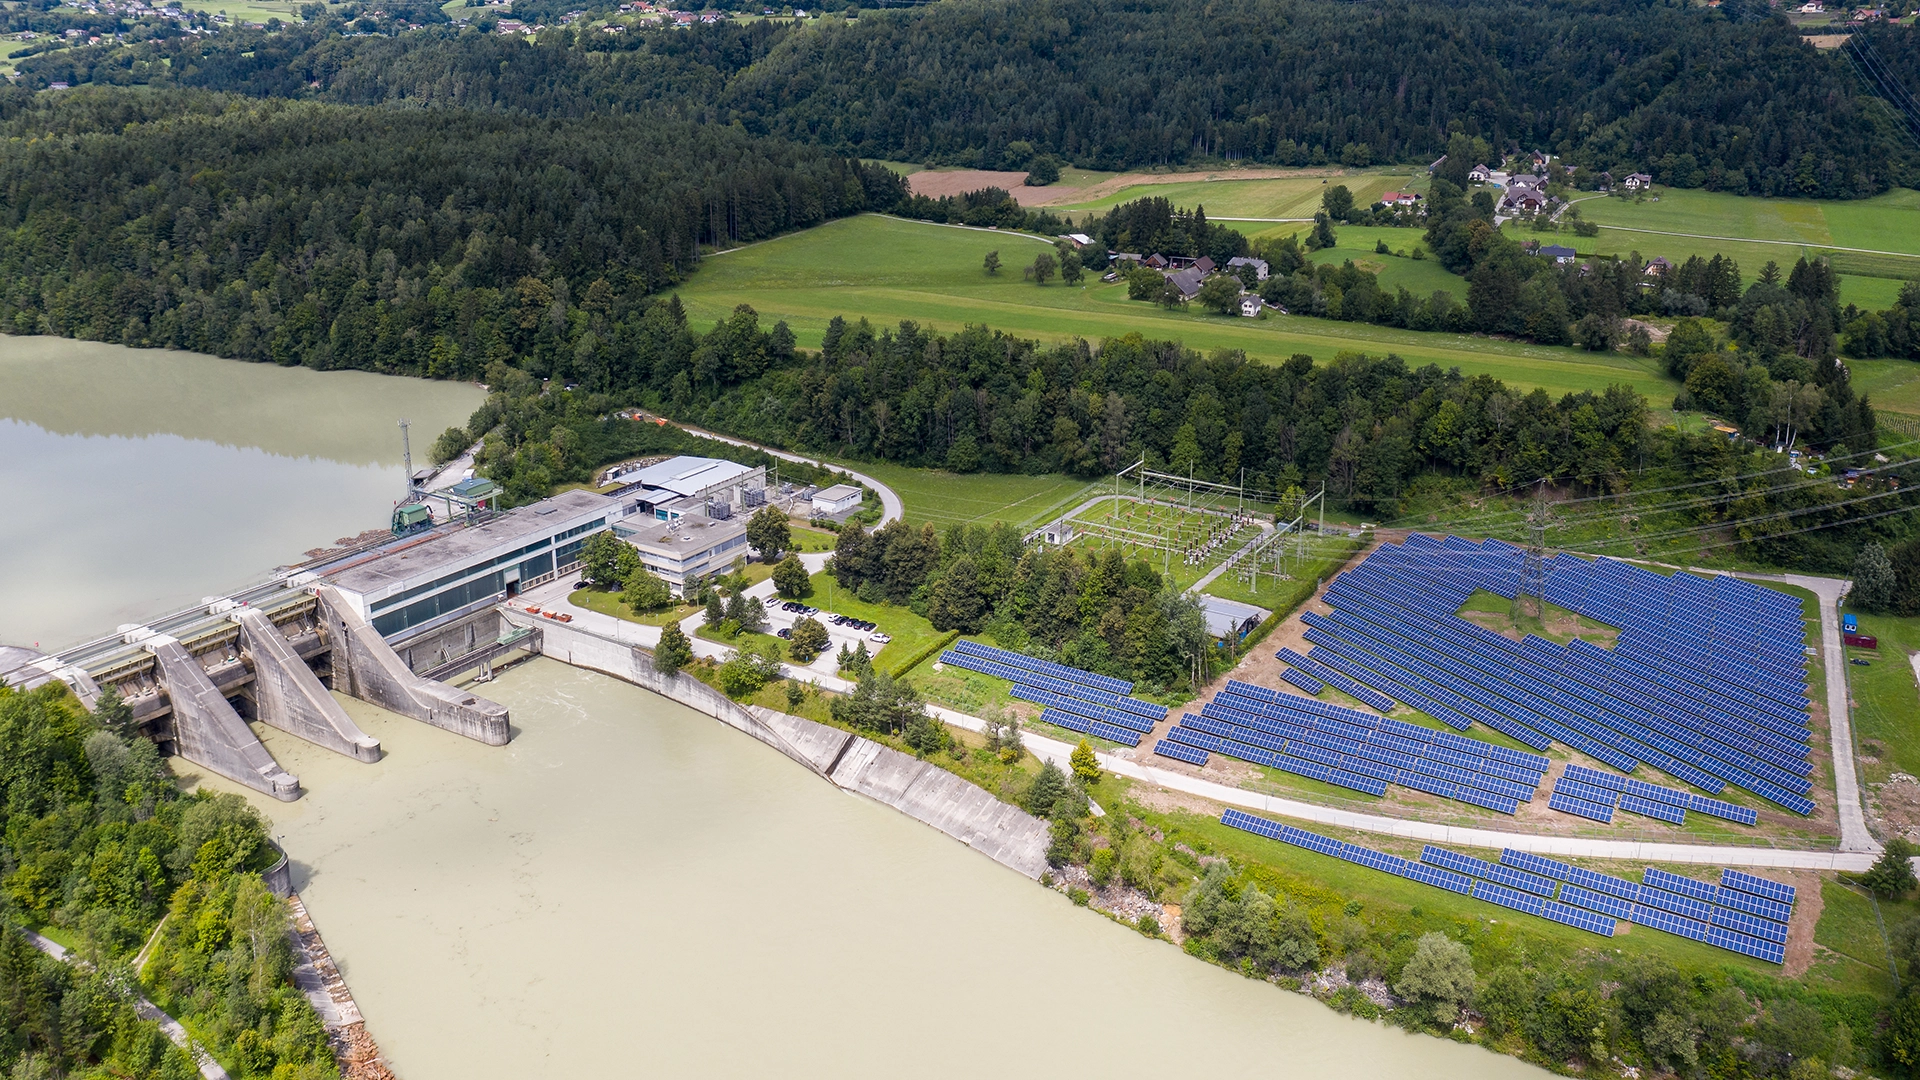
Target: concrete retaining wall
365,667
923,791
289,696
206,730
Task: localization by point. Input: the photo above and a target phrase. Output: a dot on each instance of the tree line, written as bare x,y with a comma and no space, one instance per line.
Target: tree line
1727,98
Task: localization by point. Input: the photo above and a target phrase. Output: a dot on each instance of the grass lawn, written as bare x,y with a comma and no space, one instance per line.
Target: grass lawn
608,603
1848,927
889,270
1886,716
807,540
1892,385
944,498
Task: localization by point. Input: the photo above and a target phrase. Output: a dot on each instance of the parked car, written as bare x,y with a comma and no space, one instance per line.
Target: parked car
793,605
773,601
785,632
879,637
809,612
837,620
1856,661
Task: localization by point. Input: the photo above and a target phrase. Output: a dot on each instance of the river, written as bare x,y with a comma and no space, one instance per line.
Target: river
629,887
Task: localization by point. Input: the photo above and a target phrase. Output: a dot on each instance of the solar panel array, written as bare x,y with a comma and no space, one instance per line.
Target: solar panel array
1071,698
1192,755
1706,682
1358,750
1568,894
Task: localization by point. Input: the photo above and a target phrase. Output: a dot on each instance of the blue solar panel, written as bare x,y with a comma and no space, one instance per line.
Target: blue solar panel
1692,929
1605,883
1505,897
1524,860
1764,929
1758,886
1304,681
1439,878
1573,916
1594,901
1453,860
1754,905
1676,904
1741,943
1586,792
1685,886
1193,755
1647,807
1595,777
1520,879
1567,804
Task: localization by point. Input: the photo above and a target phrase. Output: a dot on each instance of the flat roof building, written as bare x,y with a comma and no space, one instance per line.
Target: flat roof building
686,549
685,485
838,499
456,569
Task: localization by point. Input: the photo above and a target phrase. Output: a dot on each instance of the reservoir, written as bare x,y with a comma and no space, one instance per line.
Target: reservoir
628,888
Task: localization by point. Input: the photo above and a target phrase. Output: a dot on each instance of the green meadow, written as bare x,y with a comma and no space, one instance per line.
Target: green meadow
888,270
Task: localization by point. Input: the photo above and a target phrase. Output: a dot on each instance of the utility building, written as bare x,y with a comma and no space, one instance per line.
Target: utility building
686,485
686,549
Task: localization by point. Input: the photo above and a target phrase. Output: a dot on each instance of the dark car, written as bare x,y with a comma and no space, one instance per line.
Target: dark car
785,632
1860,663
792,606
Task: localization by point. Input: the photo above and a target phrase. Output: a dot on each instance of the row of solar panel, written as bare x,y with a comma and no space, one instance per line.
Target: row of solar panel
1192,755
1045,667
1297,710
1304,681
1087,709
1720,897
1339,682
1148,712
1680,799
1075,722
1401,728
1284,762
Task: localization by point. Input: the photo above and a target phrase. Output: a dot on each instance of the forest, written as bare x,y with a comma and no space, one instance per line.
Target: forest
99,845
1728,98
384,240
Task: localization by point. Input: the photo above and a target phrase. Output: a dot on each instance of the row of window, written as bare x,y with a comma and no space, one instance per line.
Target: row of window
451,600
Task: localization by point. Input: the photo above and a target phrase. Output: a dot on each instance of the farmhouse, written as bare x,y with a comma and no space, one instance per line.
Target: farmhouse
1401,198
1250,305
1637,182
1479,174
1522,200
1260,270
1187,281
1527,180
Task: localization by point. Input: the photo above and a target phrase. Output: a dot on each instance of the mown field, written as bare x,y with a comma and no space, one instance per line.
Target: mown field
1285,197
889,270
1753,230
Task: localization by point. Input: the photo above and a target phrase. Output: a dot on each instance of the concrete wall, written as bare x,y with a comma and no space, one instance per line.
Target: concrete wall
206,730
365,667
289,696
444,643
925,792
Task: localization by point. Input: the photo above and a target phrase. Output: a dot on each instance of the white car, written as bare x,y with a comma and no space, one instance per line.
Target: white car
879,637
773,601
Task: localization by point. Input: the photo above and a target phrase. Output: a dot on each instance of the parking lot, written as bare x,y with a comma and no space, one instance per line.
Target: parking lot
843,629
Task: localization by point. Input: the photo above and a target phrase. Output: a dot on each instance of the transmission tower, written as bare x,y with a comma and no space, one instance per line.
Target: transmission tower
1531,597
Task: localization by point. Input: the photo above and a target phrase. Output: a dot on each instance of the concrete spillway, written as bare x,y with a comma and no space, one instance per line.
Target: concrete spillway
206,730
289,696
366,667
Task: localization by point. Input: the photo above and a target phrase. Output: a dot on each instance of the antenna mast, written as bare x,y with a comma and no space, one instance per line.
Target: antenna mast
406,453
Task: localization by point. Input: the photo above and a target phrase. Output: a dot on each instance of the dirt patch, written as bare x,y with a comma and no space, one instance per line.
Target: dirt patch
1657,335
1806,914
1165,801
1826,41
962,181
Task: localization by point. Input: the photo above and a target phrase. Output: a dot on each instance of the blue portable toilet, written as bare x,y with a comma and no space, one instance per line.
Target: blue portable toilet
1850,623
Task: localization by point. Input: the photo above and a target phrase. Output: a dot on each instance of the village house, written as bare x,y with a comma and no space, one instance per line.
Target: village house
1560,254
1187,281
1250,306
1522,200
1260,270
1527,180
1479,174
1637,182
1401,198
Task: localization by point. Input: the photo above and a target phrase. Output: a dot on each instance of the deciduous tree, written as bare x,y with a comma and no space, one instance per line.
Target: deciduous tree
768,532
810,639
674,651
790,578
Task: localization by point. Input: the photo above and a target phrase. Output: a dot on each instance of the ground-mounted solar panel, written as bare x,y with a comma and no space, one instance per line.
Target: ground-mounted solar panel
1123,736
1535,864
1656,793
1596,901
1704,891
1575,917
1758,886
1605,883
1259,826
1567,804
1734,941
1070,721
1675,904
1754,905
1752,926
1453,860
1440,878
1507,898
1691,929
1634,804
1192,755
1520,879
1700,804
1304,681
1595,777
1586,792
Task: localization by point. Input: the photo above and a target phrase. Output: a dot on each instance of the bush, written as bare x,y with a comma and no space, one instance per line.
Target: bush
645,591
740,677
932,648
